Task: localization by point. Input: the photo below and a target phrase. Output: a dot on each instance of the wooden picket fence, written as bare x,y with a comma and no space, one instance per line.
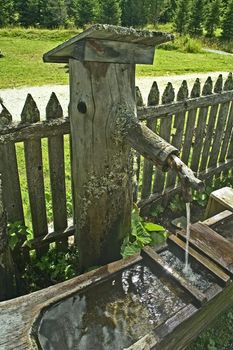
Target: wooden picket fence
199,124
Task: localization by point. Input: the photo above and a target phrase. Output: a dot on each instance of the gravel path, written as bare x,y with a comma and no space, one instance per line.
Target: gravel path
14,98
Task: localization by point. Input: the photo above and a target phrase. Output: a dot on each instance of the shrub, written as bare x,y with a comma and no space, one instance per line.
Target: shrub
183,44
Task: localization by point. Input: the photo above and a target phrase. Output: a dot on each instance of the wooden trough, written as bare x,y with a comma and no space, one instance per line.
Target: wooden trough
191,308
148,287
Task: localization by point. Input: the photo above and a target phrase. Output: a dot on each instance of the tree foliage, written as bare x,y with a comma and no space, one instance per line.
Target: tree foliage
212,17
181,16
227,23
134,13
187,15
87,12
110,12
7,11
196,18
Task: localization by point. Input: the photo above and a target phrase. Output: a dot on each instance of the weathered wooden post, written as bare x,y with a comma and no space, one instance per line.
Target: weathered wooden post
102,82
7,272
104,127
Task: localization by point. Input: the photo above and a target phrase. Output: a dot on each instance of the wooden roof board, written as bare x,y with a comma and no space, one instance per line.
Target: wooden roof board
113,33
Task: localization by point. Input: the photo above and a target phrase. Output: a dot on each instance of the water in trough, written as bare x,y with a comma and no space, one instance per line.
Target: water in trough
111,315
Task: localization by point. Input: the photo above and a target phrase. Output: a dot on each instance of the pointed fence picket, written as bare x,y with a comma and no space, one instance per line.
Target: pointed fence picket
200,125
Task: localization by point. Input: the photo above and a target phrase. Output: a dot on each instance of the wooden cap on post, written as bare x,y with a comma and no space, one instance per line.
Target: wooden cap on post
108,43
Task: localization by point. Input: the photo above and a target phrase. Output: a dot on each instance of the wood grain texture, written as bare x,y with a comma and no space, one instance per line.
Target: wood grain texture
95,50
179,122
10,178
57,171
218,137
212,244
218,217
208,142
164,132
200,131
101,161
106,32
153,100
191,119
34,172
164,111
8,288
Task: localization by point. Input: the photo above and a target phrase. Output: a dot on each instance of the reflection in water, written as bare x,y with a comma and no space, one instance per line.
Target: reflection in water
112,315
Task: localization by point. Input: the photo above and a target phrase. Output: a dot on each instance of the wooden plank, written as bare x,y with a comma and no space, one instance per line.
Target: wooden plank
153,100
201,127
57,171
219,200
212,245
145,343
8,288
221,276
10,176
164,132
109,33
136,156
179,122
218,137
227,136
50,238
95,50
191,119
210,126
185,326
160,264
34,171
101,161
165,110
218,217
17,132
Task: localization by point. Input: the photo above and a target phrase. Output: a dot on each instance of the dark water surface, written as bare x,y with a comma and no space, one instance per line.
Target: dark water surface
112,315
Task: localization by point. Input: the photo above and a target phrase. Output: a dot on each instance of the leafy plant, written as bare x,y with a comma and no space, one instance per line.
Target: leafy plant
18,234
142,233
157,210
51,268
177,204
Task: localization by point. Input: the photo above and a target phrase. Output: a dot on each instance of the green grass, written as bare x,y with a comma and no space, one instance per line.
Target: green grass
174,62
23,66
217,337
48,198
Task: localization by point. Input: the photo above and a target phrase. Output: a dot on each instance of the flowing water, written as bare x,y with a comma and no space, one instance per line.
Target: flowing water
111,315
199,277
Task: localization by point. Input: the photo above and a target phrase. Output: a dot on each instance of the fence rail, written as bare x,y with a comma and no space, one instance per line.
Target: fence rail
199,124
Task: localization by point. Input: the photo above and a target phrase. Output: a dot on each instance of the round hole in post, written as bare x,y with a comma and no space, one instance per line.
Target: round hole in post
82,107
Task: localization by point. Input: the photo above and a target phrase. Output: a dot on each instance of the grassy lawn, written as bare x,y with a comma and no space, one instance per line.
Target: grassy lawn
23,65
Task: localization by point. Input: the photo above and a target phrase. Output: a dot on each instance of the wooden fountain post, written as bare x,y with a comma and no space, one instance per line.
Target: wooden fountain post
102,94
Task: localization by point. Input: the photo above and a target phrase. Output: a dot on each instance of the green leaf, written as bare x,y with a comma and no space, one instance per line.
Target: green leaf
151,227
13,240
130,249
158,238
